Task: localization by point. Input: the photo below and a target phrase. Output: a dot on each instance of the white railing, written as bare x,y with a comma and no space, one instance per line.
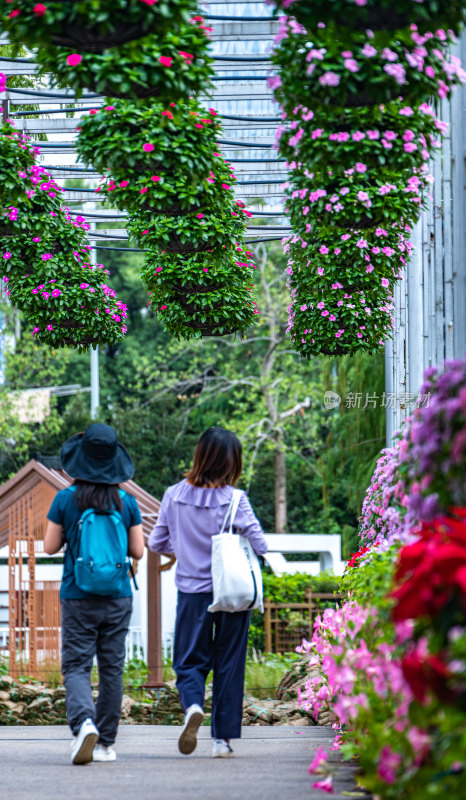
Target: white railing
135,642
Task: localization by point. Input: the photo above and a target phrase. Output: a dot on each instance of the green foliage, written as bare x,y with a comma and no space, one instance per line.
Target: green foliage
135,673
182,137
289,589
201,295
375,14
98,24
135,70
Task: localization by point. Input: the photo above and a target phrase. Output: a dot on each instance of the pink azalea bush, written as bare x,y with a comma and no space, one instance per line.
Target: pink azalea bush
406,747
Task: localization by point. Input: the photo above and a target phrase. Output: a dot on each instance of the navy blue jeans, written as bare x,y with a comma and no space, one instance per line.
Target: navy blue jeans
218,642
94,626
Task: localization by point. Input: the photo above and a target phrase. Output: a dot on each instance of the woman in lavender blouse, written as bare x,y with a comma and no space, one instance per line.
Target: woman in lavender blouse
192,511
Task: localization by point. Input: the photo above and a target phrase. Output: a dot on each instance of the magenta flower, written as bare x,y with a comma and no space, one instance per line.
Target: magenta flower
165,61
7,255
74,59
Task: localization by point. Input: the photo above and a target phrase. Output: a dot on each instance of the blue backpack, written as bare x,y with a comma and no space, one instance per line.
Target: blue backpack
102,563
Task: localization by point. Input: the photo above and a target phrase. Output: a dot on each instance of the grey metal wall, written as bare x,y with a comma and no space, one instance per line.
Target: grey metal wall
430,301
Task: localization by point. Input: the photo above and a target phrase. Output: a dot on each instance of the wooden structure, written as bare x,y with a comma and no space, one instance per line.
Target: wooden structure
34,609
284,632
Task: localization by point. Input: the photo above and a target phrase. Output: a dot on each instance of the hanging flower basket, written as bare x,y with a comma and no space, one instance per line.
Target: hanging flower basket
356,200
171,194
91,26
202,295
340,73
17,157
219,225
127,138
67,302
332,322
170,67
385,15
364,139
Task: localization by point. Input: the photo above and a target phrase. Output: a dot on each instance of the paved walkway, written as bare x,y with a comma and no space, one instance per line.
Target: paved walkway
270,764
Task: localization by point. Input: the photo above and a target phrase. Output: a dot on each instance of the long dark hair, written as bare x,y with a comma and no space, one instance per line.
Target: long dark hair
217,459
102,496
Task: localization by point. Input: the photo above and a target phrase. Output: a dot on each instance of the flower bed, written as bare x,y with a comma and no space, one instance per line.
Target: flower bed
175,65
206,295
376,14
93,26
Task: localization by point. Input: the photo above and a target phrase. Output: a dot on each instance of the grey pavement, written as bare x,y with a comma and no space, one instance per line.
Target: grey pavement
270,763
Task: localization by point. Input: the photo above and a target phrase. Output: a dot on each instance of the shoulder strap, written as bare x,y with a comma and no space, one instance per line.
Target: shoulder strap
231,510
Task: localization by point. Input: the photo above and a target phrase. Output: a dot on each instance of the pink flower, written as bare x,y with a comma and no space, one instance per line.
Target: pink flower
74,59
156,178
199,216
50,327
323,250
165,61
319,758
385,282
123,184
325,785
369,50
351,64
109,108
388,764
360,167
329,79
162,308
7,255
39,9
148,147
345,237
143,190
362,196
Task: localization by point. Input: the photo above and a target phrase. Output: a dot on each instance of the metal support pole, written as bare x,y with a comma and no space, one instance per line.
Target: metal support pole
95,402
95,387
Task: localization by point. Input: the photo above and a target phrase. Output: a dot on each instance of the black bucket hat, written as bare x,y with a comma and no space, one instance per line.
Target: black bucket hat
96,456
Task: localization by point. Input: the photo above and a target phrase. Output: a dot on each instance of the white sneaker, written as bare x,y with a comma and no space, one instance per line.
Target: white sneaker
221,749
83,744
103,753
188,736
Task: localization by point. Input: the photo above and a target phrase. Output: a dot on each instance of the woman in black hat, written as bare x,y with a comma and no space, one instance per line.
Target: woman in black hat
94,624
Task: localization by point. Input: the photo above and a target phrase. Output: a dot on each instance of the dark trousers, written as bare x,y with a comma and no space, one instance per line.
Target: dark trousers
94,627
205,641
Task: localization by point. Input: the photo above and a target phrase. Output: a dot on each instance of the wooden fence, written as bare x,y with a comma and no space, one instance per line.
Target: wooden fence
287,624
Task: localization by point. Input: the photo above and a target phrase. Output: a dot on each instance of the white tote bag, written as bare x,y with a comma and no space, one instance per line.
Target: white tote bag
236,572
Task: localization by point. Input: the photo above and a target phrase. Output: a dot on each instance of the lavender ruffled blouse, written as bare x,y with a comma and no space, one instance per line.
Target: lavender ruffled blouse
189,516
